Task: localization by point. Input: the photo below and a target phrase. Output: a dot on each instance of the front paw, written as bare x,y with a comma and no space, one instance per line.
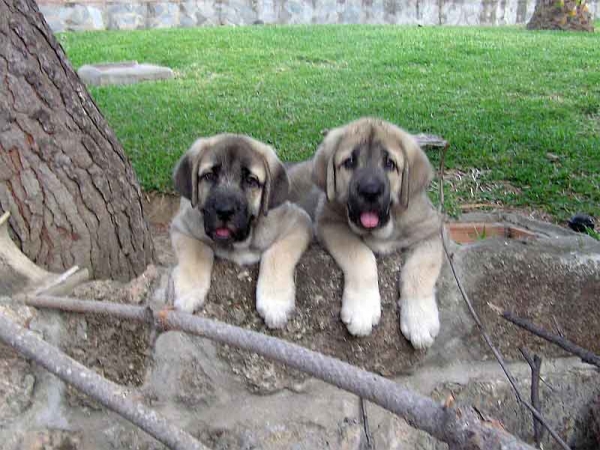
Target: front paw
189,294
275,303
361,310
419,321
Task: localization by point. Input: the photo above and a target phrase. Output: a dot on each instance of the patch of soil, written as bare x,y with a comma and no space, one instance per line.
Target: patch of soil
116,349
538,284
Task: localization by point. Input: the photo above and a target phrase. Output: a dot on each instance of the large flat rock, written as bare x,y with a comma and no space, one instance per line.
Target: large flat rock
129,72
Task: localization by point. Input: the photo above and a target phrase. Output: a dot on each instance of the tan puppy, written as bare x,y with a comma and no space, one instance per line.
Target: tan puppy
234,205
374,177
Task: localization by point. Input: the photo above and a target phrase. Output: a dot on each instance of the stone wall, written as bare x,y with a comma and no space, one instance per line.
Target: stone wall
80,15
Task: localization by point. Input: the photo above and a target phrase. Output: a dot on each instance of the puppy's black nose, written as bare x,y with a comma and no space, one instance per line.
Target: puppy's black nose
370,189
224,209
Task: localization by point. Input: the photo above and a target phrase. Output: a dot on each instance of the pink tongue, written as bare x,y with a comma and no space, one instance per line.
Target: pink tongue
369,220
223,232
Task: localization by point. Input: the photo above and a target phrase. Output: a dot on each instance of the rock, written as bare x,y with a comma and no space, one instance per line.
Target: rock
122,73
16,374
162,15
45,440
595,419
186,371
126,16
581,223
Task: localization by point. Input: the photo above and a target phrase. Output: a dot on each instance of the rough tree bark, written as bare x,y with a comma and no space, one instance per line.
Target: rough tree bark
71,191
573,15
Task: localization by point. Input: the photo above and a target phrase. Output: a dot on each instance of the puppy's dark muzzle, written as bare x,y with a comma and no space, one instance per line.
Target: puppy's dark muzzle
369,200
226,216
370,190
226,209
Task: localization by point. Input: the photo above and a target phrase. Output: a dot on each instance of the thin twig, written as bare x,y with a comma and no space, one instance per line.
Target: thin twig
67,279
536,367
365,421
109,394
559,329
482,330
585,355
441,176
59,279
459,428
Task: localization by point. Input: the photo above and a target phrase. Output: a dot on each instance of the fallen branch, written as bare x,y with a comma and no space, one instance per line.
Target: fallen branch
109,394
459,428
536,368
585,355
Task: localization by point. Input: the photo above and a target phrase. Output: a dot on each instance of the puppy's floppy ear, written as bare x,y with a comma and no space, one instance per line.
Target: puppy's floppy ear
323,171
185,175
182,176
417,172
277,186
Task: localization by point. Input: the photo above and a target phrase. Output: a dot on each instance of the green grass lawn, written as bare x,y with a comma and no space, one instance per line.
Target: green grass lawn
504,97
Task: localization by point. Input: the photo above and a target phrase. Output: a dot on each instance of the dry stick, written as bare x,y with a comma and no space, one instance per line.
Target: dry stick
484,334
365,421
107,393
559,329
585,355
64,283
460,429
536,367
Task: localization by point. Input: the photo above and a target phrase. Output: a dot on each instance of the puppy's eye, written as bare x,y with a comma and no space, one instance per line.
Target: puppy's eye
209,177
252,181
348,163
389,164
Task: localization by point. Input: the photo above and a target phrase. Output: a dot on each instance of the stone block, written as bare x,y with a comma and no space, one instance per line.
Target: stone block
162,15
81,17
122,73
127,16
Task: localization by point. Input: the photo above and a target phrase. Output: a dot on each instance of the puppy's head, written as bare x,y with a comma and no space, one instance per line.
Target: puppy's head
373,167
232,180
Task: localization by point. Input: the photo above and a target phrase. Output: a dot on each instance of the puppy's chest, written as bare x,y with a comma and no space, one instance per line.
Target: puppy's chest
242,257
381,246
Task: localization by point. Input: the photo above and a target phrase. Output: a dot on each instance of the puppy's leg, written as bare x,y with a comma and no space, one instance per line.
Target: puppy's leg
419,318
276,290
191,277
361,302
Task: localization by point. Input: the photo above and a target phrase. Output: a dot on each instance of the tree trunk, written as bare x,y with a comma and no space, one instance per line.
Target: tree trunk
70,189
568,15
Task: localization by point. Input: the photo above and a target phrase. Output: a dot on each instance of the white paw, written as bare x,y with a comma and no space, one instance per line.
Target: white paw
189,296
361,310
275,304
419,321
188,303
